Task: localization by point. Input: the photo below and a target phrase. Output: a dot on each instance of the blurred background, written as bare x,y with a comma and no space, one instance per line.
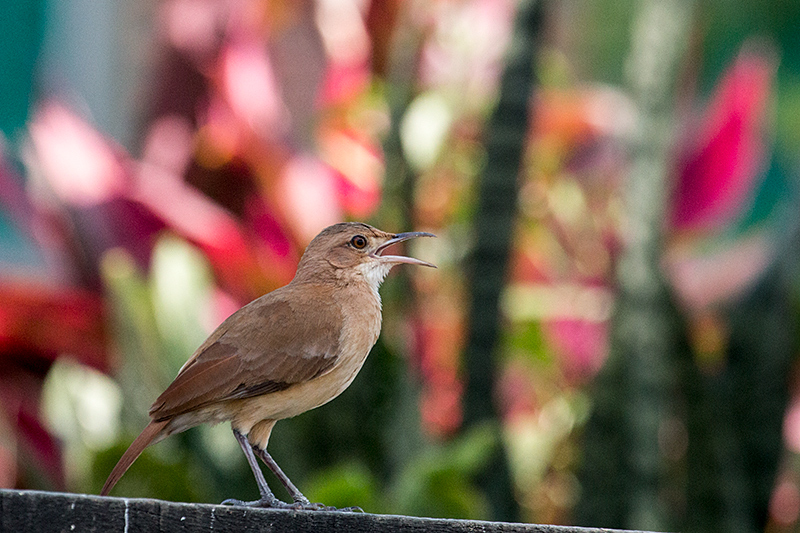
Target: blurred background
610,338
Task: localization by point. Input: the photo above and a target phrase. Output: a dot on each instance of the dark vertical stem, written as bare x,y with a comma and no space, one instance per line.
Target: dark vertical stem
493,228
401,78
623,472
397,58
646,327
735,413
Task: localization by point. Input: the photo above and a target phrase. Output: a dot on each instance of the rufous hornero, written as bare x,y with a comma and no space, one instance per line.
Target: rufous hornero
291,350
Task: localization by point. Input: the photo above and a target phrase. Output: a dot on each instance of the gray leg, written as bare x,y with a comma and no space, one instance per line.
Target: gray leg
297,496
268,499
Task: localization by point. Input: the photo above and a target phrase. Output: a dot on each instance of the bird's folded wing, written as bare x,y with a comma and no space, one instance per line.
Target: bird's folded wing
267,346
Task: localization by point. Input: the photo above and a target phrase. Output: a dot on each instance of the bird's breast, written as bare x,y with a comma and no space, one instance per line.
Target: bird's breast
360,328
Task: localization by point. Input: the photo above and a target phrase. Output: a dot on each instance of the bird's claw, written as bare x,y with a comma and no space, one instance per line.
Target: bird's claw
275,503
266,503
308,506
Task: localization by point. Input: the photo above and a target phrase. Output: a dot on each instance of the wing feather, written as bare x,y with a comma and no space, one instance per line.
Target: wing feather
274,342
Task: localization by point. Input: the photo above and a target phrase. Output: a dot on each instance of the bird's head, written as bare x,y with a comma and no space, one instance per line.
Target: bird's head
354,249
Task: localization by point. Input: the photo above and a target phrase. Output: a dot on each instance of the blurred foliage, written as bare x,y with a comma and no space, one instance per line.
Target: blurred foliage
610,336
437,482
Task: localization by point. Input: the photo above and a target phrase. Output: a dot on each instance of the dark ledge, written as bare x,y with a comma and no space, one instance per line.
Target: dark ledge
52,511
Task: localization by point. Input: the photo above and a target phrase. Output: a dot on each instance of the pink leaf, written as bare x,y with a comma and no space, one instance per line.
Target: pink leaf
726,156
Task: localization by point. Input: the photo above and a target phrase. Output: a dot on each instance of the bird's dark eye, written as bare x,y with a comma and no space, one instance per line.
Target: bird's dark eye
358,242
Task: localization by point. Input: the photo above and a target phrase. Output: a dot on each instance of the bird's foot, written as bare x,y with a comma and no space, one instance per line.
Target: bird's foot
265,503
275,503
302,503
308,506
305,506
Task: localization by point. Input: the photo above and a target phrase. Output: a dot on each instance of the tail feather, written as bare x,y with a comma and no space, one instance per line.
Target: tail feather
136,448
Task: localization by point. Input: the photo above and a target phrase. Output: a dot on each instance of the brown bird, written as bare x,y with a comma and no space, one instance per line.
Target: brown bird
291,350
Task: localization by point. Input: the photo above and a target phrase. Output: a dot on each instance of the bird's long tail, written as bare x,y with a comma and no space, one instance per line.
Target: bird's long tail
136,448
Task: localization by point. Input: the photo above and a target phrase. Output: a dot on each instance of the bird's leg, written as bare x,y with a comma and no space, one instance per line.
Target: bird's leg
297,496
268,499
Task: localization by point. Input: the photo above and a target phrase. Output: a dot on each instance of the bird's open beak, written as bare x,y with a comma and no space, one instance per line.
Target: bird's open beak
400,237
